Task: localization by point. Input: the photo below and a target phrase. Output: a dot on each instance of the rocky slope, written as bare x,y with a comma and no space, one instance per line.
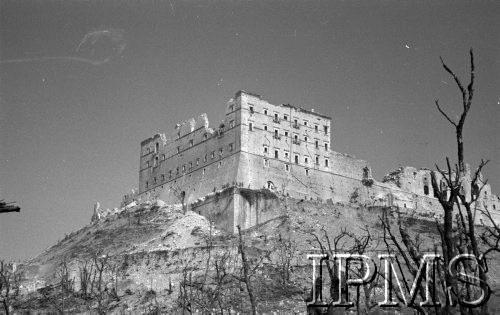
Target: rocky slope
155,259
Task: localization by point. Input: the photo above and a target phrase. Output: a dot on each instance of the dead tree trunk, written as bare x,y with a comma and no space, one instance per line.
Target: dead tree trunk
454,184
246,276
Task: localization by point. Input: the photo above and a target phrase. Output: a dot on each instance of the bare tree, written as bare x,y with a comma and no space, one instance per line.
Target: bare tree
94,274
453,194
65,283
101,265
410,250
212,288
347,242
114,270
246,273
450,187
285,250
9,285
184,293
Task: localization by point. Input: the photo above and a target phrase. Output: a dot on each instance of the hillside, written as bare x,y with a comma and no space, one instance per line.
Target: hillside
156,259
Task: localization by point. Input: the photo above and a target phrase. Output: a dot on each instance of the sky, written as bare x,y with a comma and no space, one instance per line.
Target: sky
83,82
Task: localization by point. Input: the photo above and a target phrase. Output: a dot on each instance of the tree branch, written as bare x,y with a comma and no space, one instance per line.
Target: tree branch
444,114
470,86
457,80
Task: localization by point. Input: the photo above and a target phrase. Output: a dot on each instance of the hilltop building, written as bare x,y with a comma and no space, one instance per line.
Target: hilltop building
282,148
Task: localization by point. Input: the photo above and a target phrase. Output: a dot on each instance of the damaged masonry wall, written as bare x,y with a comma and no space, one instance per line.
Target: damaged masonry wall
283,148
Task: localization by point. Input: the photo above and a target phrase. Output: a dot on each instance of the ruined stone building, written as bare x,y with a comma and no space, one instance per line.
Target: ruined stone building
282,148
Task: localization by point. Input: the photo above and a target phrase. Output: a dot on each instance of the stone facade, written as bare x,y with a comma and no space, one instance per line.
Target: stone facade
419,183
282,148
257,145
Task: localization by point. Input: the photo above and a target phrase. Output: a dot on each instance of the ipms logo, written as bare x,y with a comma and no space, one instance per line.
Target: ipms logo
429,277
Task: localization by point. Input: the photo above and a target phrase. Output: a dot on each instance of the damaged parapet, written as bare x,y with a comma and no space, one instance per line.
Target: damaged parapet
191,125
100,213
279,147
129,198
419,183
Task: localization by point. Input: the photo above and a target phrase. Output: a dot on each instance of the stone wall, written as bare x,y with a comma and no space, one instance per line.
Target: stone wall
283,148
235,206
197,161
417,186
288,149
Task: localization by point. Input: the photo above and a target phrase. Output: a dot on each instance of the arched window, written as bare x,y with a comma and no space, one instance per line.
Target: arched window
270,185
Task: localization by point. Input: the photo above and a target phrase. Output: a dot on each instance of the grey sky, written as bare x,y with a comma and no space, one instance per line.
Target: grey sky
71,129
